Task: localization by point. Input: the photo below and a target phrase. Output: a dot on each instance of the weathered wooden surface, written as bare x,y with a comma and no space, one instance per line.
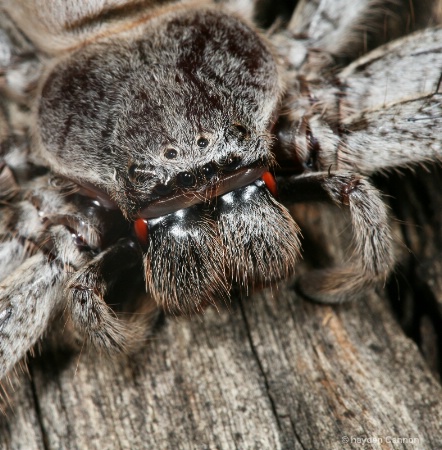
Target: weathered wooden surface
273,372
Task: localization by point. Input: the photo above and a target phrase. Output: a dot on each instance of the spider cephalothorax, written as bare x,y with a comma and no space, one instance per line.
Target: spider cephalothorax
162,107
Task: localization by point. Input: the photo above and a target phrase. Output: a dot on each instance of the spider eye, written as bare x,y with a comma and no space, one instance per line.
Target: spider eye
202,142
270,182
186,179
171,153
208,170
141,230
240,131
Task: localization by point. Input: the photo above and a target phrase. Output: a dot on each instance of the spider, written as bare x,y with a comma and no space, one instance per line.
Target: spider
140,145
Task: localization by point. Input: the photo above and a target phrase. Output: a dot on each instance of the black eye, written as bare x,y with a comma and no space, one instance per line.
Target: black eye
208,170
202,142
186,179
171,153
240,131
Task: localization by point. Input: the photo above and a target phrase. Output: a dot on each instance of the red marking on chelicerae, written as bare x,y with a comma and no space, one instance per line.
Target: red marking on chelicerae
141,230
270,182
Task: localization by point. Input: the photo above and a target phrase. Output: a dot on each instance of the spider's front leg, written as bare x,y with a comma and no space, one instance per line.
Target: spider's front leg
323,34
373,258
29,299
39,255
49,241
110,278
391,112
98,290
373,117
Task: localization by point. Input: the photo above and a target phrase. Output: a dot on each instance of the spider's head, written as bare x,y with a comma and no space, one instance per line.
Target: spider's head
173,116
173,104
